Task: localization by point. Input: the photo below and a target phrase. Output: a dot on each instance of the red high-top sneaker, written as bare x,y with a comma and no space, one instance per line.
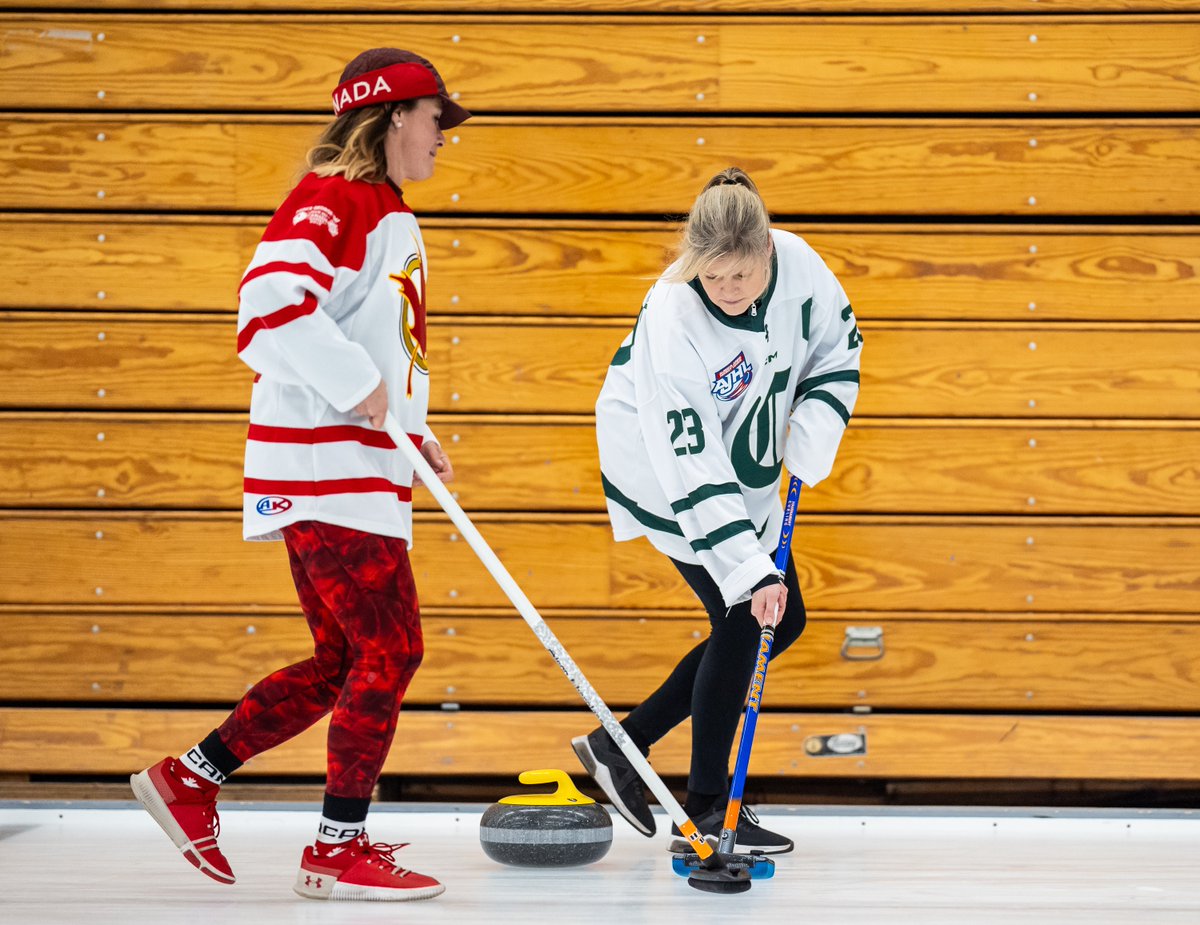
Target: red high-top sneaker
185,806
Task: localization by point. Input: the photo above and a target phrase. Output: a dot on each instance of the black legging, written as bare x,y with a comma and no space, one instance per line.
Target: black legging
710,682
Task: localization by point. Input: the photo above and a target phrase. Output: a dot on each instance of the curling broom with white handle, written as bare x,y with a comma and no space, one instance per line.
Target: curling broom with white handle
726,881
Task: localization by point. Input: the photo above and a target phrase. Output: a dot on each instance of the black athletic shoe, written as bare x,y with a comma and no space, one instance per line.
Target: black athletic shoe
612,771
751,837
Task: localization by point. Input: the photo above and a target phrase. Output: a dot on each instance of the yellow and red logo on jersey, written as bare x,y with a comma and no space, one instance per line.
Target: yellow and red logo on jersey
411,283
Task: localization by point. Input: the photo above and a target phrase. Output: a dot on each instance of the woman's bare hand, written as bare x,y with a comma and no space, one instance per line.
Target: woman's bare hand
375,406
438,461
768,604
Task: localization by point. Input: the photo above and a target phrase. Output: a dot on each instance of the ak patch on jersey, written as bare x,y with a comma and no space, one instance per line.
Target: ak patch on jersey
273,504
733,379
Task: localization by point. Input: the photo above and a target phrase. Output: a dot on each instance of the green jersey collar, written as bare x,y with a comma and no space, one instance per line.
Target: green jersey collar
752,319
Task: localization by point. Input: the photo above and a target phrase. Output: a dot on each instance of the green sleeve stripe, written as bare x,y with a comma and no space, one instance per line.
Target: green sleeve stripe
663,525
832,402
639,514
704,493
843,375
723,533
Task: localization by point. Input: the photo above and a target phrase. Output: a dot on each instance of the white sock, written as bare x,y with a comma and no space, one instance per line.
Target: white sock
195,762
333,832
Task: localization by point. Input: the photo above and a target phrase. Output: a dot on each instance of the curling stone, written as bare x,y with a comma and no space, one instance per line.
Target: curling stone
559,829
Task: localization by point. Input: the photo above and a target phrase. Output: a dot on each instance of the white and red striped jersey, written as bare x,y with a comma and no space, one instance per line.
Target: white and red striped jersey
332,301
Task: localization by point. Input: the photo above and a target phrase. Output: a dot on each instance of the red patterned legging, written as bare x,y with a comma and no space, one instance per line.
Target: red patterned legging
357,593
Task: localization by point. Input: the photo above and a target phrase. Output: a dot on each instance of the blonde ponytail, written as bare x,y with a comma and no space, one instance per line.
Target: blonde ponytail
728,219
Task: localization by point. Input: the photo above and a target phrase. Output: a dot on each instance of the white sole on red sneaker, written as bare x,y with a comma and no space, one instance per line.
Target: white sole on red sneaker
320,886
147,794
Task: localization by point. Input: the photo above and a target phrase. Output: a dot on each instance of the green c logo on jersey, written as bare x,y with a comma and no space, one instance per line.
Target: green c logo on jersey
749,462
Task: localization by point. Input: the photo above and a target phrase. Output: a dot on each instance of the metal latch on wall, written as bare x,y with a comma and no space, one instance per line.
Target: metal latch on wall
839,745
863,644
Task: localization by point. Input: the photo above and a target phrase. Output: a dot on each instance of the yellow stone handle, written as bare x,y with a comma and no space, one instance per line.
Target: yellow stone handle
565,794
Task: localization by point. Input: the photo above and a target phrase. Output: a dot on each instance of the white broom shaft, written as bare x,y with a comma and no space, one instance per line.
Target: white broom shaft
540,629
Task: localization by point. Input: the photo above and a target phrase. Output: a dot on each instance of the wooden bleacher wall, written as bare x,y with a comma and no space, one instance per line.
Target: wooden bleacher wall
1003,571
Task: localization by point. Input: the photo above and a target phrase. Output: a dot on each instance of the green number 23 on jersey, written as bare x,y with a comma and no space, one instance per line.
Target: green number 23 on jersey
686,424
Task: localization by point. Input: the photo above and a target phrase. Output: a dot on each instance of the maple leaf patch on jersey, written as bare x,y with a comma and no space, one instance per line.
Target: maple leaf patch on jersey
733,379
318,215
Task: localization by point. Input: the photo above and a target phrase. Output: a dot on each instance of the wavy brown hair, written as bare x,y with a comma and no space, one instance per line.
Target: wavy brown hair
353,144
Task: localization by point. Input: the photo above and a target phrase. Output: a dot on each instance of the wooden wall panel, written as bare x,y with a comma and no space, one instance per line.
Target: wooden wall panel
966,664
530,267
1008,200
110,262
639,6
1127,565
943,64
960,371
838,167
537,463
104,361
234,62
921,369
1010,167
1158,748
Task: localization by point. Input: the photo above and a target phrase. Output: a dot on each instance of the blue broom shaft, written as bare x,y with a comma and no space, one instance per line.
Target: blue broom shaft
738,784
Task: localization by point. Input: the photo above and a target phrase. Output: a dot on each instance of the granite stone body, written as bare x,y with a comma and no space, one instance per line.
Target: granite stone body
545,836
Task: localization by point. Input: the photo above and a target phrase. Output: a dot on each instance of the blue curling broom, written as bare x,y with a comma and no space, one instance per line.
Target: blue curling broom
759,868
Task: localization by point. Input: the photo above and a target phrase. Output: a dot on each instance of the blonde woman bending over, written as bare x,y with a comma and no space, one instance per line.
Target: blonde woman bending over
745,356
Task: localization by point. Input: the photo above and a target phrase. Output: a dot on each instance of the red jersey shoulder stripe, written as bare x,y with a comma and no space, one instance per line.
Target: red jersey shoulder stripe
324,280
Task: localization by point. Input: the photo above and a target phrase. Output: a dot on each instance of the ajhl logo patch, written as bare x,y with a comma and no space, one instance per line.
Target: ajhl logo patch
732,380
273,504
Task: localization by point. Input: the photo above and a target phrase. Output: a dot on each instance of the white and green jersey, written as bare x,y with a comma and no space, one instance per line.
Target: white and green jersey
697,405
